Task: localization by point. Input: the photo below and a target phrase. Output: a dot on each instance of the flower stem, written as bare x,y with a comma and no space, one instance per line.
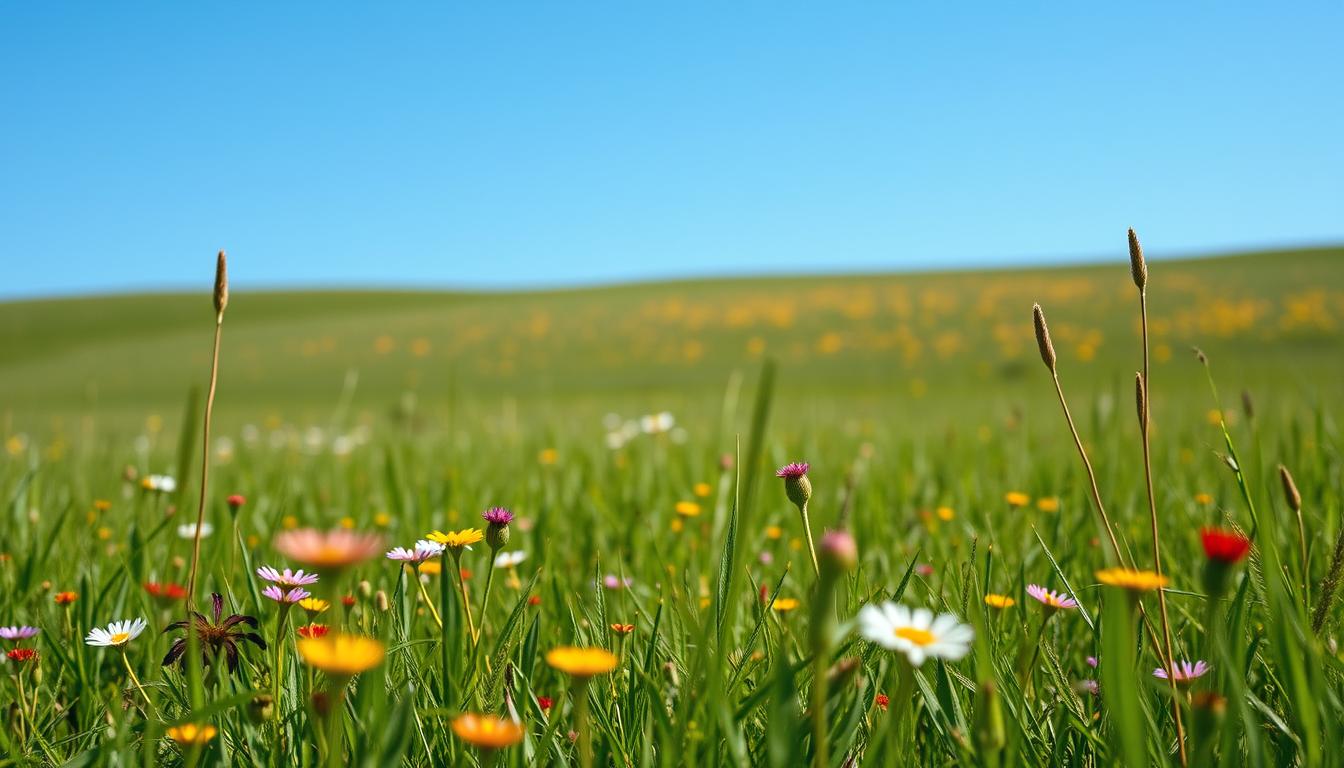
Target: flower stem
438,621
897,706
136,681
581,722
811,548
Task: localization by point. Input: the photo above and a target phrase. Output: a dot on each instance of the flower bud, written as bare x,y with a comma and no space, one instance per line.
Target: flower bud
497,532
796,485
839,554
380,600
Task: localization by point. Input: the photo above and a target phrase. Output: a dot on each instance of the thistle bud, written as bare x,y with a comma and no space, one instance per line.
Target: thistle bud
1137,268
1290,492
1043,337
839,554
796,485
221,284
497,532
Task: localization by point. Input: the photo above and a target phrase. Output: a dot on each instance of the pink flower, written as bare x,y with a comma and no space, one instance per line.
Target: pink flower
289,598
498,516
1051,599
287,578
424,550
795,470
1186,672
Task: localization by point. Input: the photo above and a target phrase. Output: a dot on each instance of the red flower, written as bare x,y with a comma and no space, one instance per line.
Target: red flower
1225,547
22,654
545,703
66,598
882,701
166,592
313,630
924,569
235,501
534,600
348,601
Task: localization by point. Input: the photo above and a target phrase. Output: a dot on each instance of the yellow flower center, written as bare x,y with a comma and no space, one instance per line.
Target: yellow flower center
917,636
120,638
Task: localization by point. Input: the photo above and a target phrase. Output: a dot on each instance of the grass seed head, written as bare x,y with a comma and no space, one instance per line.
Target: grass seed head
1140,399
1137,268
1290,492
1043,337
221,284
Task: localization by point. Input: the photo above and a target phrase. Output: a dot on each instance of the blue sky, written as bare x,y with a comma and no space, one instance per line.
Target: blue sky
512,144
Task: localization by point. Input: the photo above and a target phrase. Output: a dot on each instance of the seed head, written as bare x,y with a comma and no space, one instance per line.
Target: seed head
1290,492
1247,404
1200,356
1137,268
221,284
1141,399
1043,337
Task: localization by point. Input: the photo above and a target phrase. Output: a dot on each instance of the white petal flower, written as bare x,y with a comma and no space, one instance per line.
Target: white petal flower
188,530
510,559
918,634
118,633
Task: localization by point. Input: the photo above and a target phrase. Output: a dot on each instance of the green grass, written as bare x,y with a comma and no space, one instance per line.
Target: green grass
894,429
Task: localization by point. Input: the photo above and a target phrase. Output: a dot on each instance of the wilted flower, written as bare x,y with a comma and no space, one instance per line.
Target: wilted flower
216,635
918,634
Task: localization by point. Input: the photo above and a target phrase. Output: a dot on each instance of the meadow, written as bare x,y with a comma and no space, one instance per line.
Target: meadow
610,553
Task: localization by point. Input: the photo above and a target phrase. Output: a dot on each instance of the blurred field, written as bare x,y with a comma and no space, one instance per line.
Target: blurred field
933,350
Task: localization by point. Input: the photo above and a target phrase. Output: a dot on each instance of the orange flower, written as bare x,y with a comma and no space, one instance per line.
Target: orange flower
1016,499
622,629
487,731
66,598
192,735
342,655
330,549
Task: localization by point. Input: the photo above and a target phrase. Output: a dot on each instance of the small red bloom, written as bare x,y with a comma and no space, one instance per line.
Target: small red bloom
534,600
545,703
235,501
313,630
165,592
882,701
348,601
924,569
464,573
764,593
22,654
1224,546
66,598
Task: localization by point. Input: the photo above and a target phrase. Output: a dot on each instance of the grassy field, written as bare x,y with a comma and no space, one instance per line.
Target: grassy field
937,448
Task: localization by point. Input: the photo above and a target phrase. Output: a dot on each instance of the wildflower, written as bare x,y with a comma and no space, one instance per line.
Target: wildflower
1134,581
236,501
918,634
297,594
313,606
534,600
839,553
342,655
117,634
423,551
622,629
945,513
15,634
188,530
430,568
548,456
21,655
328,550
1091,661
217,636
192,735
1016,499
287,578
457,540
348,601
166,593
785,604
882,701
1203,499
1089,686
774,532
487,732
382,519
159,483
102,505
1053,601
612,581
1049,504
687,508
510,559
545,702
796,484
702,490
999,601
1227,547
1186,672
66,598
497,530
313,630
582,663
924,569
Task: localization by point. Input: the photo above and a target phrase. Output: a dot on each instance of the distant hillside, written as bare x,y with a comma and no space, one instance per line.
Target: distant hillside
948,339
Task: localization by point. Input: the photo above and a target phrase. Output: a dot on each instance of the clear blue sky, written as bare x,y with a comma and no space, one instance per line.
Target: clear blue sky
553,143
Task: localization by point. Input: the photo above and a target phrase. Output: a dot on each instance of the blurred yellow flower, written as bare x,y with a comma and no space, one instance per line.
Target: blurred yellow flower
548,456
342,655
774,532
1135,581
431,568
487,731
1203,498
785,604
1048,504
382,519
1016,499
192,735
702,489
582,662
688,508
999,601
289,522
945,513
348,523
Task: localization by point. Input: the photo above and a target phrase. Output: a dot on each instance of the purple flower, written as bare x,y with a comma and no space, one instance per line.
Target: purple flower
1186,672
1092,661
795,470
1051,599
287,578
18,633
288,598
1089,686
612,581
498,516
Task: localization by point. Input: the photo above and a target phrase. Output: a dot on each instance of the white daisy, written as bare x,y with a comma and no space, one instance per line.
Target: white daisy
510,559
188,530
918,633
118,633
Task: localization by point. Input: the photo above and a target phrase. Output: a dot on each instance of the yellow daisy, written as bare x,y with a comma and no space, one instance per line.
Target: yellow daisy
1135,581
342,655
687,508
786,604
457,539
999,601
